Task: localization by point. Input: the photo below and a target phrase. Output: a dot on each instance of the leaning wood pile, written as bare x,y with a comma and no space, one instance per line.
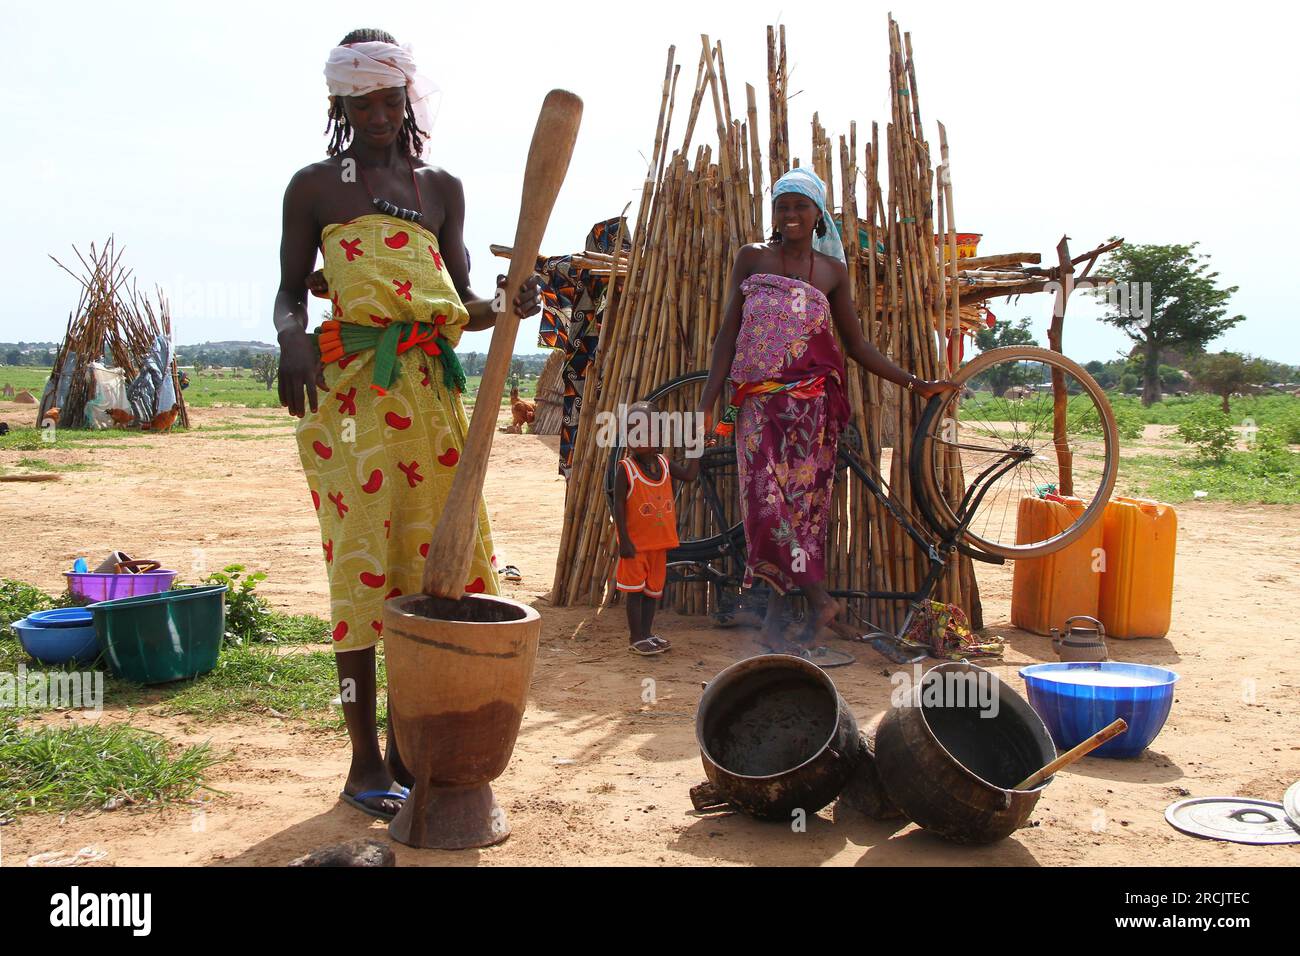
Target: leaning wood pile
550,396
113,323
700,203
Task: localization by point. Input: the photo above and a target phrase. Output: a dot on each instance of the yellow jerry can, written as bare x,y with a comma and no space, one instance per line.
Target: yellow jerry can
1137,580
1046,591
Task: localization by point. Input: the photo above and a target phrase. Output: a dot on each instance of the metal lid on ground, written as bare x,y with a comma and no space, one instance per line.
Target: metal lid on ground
1235,819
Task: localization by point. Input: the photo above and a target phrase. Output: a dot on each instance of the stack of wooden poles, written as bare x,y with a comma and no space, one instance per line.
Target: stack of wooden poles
114,323
697,209
550,396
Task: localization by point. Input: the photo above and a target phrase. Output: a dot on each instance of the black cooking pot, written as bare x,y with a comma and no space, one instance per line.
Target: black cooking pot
775,736
950,763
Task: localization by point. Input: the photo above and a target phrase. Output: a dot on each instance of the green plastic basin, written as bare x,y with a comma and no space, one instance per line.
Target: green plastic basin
155,638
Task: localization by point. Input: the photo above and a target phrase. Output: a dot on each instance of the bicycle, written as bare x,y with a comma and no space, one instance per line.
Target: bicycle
974,457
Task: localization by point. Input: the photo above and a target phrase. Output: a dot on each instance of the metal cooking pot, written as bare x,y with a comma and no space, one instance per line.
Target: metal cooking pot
775,736
948,763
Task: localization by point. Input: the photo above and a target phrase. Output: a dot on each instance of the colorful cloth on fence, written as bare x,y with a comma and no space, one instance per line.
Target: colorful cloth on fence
572,309
944,631
786,444
380,460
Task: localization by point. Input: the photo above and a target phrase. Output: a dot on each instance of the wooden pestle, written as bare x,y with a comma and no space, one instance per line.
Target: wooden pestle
1113,729
447,565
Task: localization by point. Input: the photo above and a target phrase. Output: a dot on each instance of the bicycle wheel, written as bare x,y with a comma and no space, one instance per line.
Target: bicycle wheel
708,509
1001,438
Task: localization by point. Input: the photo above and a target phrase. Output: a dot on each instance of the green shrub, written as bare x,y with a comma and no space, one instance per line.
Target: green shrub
1287,426
1210,431
1270,454
248,615
1129,425
249,618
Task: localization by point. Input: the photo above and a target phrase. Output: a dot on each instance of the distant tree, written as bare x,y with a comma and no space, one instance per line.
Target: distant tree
1186,308
1171,377
1226,372
1003,333
266,366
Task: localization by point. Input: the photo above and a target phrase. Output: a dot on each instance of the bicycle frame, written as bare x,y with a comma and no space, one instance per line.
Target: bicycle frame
938,553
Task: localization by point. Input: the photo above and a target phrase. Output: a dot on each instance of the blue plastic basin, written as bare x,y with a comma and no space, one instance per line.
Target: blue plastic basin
62,617
1076,700
58,645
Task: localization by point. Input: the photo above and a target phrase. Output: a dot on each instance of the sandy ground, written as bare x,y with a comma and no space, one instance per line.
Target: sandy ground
599,775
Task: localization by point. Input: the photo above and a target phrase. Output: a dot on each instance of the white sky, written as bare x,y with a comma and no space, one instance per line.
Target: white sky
177,128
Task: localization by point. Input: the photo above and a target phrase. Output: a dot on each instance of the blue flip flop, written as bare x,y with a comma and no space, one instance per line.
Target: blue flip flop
359,800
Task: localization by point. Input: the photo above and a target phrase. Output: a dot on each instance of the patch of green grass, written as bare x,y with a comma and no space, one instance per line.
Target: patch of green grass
256,678
1279,411
29,377
244,425
24,439
87,766
1240,479
241,436
37,439
206,391
18,599
298,628
41,464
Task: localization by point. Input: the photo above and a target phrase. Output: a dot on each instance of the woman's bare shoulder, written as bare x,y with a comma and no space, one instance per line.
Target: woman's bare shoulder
312,180
447,184
838,268
749,257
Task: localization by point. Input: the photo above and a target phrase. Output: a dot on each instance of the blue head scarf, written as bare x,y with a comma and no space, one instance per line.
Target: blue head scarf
807,183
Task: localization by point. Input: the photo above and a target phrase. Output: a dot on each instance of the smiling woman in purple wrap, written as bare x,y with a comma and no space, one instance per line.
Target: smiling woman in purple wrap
788,298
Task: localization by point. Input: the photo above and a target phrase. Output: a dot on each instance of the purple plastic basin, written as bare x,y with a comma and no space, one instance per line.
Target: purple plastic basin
97,586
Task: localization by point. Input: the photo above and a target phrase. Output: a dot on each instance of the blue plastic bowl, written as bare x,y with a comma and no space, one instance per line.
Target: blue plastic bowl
62,617
1076,700
58,645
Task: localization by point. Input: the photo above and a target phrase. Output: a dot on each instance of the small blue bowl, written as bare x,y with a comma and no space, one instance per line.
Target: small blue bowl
62,617
1076,700
58,645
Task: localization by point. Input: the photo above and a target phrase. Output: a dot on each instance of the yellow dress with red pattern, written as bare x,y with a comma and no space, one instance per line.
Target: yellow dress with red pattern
380,461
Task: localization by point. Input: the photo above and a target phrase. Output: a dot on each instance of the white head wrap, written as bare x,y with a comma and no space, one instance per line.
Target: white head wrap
361,68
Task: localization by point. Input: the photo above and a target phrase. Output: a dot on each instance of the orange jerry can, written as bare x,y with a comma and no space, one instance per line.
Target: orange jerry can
1047,590
1137,579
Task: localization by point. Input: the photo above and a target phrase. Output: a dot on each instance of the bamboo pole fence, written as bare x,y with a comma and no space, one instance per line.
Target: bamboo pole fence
914,298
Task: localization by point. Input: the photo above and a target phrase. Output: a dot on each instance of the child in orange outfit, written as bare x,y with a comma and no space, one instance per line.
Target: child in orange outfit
647,528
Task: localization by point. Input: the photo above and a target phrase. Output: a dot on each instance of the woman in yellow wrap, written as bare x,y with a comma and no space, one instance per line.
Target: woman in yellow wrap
378,388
